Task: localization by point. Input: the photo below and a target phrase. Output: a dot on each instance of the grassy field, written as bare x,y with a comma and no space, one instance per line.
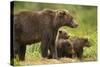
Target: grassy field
86,16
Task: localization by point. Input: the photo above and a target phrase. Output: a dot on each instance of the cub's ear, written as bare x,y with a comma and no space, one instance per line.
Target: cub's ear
86,39
60,31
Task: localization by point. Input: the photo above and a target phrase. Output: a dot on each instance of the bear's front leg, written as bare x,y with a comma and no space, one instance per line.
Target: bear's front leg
53,51
52,47
44,47
21,52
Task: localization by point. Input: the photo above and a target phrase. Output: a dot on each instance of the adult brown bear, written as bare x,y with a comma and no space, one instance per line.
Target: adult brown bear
38,26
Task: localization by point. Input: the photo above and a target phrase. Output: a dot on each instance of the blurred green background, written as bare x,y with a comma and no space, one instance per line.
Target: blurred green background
86,16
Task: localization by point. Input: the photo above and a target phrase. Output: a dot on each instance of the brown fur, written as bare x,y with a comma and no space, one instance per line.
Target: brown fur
75,48
31,27
79,44
63,45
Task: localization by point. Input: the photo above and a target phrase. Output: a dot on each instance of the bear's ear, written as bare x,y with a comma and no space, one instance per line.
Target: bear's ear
62,13
60,31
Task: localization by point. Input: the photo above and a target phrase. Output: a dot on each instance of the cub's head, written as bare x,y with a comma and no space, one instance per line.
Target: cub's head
63,35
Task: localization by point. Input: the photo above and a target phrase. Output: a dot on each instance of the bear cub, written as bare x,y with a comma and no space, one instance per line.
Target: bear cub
68,46
63,46
78,44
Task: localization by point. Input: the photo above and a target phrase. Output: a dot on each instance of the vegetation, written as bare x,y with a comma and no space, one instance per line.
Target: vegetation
86,16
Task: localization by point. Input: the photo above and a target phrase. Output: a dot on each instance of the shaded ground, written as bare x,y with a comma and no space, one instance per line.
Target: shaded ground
47,61
30,61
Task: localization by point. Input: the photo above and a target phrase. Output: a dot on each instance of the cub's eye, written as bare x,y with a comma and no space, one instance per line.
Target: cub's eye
86,40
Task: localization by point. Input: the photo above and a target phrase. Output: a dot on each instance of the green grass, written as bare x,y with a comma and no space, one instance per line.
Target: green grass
33,51
85,16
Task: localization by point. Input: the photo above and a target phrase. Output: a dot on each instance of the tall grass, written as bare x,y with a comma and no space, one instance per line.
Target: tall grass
33,51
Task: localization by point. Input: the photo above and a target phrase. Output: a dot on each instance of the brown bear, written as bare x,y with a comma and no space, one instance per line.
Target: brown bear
64,47
62,35
72,47
78,44
38,26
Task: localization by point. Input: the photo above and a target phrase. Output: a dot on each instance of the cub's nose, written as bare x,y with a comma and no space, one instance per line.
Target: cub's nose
76,25
67,37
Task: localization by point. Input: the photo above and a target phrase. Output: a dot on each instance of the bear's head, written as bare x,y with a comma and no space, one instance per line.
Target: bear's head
64,18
